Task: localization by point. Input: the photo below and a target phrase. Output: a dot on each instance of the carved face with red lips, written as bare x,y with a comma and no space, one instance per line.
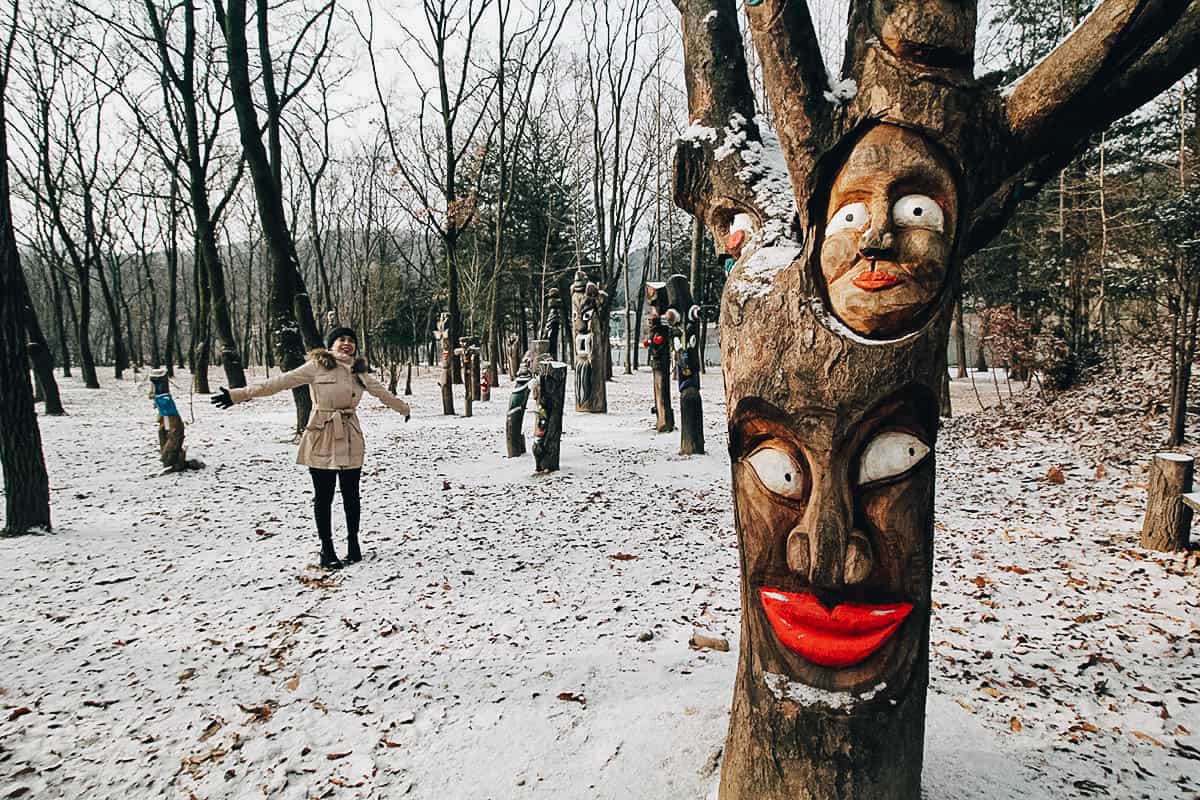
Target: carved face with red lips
889,232
834,519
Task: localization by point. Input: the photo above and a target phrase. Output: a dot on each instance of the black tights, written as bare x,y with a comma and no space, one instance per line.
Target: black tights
324,481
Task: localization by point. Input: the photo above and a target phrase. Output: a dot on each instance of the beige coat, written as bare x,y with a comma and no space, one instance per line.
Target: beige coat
333,438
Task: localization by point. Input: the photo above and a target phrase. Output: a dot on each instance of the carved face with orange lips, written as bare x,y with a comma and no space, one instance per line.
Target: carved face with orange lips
889,233
835,515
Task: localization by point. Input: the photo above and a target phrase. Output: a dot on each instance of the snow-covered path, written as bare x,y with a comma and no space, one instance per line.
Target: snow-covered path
173,638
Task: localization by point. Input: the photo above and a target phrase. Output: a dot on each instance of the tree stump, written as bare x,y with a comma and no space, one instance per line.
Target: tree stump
552,393
658,353
1168,521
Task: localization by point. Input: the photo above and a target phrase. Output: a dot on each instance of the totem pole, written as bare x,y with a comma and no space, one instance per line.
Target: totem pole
446,376
171,451
834,326
588,306
485,383
551,397
526,380
658,349
468,356
683,316
514,355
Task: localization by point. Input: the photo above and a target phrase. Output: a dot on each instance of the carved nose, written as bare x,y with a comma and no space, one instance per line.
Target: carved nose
876,243
828,563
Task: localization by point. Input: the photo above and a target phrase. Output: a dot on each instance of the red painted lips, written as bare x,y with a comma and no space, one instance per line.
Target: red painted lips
876,281
838,638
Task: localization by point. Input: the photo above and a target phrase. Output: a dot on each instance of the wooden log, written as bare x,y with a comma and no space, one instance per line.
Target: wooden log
446,376
1168,521
552,393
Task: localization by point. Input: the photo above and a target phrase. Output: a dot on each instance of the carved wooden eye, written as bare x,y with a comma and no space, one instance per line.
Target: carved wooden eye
890,454
777,471
917,211
850,217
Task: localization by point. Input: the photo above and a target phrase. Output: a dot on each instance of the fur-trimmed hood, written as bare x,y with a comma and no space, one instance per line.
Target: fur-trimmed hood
328,360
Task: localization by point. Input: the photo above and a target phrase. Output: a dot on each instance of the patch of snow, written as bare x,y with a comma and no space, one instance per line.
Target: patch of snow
805,695
757,278
841,92
710,17
697,133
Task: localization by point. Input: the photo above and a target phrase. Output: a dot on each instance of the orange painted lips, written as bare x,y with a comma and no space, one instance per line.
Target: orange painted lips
876,281
838,637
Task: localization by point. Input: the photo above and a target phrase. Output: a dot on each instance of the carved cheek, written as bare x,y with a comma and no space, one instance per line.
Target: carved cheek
896,520
838,254
926,253
765,522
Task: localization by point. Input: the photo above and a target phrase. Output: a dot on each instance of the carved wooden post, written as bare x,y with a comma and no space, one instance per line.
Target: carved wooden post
684,318
485,384
1168,522
658,348
446,376
466,353
171,451
588,304
834,328
514,355
552,394
514,437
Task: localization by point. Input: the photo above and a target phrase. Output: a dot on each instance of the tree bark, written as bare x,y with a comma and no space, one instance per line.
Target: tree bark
26,484
1168,522
960,340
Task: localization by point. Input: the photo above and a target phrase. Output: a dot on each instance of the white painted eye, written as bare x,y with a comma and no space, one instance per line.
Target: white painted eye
850,217
917,211
777,471
889,454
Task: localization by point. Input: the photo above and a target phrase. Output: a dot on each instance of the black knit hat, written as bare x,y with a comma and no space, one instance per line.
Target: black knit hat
337,333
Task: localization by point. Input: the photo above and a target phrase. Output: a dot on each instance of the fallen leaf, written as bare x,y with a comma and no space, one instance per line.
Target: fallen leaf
17,713
1056,475
390,743
336,756
1015,569
573,698
261,713
1101,470
293,683
1145,737
1015,724
622,556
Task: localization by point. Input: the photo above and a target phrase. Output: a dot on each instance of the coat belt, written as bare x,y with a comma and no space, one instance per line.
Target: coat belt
337,415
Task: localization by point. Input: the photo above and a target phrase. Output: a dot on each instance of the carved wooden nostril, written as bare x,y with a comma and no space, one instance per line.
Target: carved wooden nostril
858,558
798,558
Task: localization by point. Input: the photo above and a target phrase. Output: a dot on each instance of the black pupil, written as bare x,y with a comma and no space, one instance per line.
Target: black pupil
849,218
918,211
912,451
787,476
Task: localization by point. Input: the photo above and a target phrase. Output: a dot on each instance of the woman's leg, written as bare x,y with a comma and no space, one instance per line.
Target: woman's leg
324,481
348,478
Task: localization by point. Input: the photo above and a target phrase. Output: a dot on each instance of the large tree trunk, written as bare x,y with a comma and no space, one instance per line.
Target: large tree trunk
26,485
290,334
834,330
960,340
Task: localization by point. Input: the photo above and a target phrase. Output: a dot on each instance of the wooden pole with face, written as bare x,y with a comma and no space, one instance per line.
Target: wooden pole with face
587,304
658,349
683,317
834,328
445,376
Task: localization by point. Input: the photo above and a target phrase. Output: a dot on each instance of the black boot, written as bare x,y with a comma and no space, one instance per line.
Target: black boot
329,559
353,554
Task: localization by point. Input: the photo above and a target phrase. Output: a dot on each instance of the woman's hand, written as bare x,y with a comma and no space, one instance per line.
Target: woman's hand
222,400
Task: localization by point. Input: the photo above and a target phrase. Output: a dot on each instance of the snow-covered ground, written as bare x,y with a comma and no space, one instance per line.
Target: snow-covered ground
173,637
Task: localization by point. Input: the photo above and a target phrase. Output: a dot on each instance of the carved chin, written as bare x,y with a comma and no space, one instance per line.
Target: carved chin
881,304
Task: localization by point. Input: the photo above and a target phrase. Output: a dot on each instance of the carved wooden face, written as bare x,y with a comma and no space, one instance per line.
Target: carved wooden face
835,520
889,233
